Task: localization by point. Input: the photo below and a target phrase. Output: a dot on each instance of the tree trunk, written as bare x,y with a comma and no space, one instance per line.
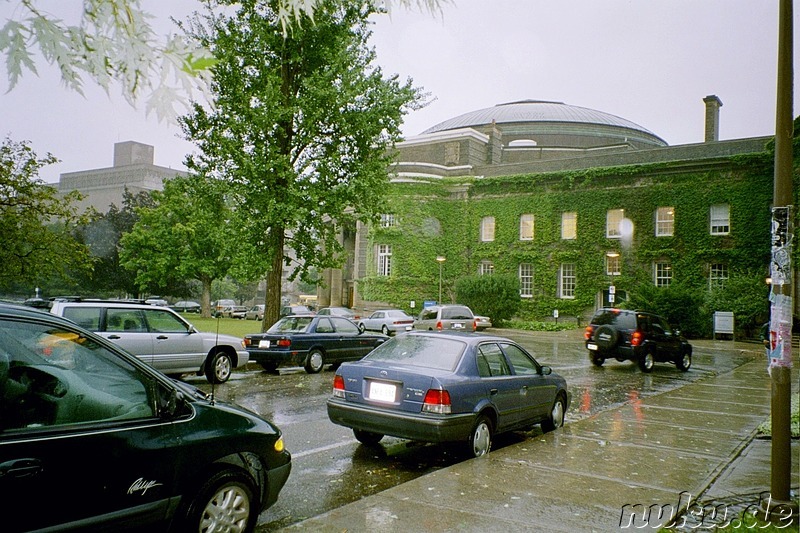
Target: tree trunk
272,302
205,298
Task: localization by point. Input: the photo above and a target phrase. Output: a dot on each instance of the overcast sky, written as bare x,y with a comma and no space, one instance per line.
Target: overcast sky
649,61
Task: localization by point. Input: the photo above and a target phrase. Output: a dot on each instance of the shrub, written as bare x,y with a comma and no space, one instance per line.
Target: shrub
495,295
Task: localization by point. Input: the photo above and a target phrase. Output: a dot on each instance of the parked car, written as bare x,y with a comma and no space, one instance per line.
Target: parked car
446,317
387,321
311,341
255,313
340,311
234,311
185,306
158,336
129,445
638,336
157,301
219,305
446,387
288,310
482,322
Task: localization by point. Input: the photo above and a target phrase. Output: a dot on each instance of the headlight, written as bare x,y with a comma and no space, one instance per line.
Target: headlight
279,445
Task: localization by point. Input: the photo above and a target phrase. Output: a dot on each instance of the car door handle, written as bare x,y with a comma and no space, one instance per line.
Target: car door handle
20,468
492,391
162,337
113,337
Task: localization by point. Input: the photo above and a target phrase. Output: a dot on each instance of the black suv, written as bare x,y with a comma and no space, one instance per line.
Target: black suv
93,439
638,336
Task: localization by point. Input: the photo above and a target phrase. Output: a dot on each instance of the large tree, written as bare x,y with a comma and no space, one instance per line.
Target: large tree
186,236
301,127
36,224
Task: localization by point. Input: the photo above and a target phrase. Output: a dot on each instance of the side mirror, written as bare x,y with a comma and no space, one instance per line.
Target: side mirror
546,370
170,401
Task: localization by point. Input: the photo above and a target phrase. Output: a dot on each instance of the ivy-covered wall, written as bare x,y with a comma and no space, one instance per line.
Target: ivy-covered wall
441,217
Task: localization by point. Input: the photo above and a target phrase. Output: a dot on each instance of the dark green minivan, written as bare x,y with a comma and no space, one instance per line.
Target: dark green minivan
92,438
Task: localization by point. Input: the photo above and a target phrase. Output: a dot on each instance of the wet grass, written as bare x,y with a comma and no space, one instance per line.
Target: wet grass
765,429
227,326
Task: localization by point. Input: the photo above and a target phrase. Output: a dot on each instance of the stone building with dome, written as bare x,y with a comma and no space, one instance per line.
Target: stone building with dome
538,189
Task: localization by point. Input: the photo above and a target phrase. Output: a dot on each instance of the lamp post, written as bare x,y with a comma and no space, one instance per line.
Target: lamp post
440,259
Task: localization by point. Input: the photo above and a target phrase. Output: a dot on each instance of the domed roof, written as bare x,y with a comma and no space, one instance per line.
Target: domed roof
539,111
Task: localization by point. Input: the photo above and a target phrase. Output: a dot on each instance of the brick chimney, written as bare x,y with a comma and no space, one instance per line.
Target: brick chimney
713,103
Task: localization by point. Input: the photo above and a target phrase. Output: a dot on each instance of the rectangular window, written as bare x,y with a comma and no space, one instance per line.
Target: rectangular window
566,281
662,273
569,225
613,220
384,259
720,219
665,222
487,229
526,227
387,220
526,280
717,274
486,267
613,266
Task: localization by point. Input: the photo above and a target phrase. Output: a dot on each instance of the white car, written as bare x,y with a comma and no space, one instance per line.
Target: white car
482,322
387,321
158,336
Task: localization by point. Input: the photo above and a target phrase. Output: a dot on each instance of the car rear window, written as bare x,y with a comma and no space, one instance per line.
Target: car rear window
615,318
423,351
291,324
456,313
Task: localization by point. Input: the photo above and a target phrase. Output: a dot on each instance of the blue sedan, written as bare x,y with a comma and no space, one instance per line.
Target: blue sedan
311,341
447,387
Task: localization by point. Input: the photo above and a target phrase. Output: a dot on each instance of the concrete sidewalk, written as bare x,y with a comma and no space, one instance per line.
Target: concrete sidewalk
695,442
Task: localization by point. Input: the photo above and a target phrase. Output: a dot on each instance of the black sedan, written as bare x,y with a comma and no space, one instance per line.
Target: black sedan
447,387
93,439
310,341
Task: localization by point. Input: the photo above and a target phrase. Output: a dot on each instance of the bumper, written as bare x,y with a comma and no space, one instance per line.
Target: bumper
242,357
276,479
278,358
419,427
618,352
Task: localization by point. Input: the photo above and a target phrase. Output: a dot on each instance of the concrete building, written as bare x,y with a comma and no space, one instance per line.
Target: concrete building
133,169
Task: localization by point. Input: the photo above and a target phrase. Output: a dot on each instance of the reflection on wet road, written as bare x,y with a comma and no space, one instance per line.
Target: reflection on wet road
330,468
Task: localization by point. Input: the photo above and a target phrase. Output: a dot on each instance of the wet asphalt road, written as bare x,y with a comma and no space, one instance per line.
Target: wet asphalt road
330,468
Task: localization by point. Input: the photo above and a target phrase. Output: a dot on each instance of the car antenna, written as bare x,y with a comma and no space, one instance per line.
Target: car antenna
214,362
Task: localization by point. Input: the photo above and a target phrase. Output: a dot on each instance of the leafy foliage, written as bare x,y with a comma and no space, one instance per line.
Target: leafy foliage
300,129
494,295
36,224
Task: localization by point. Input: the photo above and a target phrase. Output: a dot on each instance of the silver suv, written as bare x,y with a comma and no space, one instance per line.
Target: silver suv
446,317
158,336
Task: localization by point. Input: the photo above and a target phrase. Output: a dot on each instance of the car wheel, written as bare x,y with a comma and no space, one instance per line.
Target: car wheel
606,336
367,437
597,360
646,362
218,368
226,502
480,441
685,362
314,361
556,418
385,329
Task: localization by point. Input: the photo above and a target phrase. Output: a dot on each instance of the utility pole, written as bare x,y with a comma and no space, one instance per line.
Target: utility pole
781,309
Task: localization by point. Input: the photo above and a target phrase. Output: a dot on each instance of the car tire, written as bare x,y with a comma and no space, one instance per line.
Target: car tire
226,502
361,327
219,367
367,437
597,360
480,439
646,362
606,336
385,329
557,414
315,360
269,367
685,362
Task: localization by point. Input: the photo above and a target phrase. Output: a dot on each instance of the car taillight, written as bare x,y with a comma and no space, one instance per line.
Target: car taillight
338,386
439,325
437,401
475,325
284,343
588,332
637,338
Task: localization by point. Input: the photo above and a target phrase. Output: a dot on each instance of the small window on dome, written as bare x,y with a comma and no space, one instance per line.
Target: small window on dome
522,143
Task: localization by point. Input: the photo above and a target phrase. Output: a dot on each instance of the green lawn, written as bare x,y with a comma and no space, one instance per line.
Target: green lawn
228,326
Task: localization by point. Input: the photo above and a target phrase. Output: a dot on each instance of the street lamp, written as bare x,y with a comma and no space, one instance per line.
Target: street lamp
440,259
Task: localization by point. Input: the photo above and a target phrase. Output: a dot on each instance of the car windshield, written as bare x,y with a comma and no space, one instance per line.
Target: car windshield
451,313
416,350
399,314
291,324
616,318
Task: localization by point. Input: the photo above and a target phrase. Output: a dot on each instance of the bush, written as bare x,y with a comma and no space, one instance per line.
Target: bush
495,296
683,306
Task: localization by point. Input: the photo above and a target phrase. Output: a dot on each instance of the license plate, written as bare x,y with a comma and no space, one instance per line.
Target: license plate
458,325
591,346
382,392
263,344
